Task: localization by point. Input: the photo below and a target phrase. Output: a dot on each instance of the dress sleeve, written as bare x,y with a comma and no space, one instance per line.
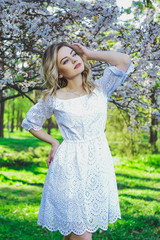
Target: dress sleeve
113,78
37,114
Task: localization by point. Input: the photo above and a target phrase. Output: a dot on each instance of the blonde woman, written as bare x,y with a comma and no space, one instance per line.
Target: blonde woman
80,191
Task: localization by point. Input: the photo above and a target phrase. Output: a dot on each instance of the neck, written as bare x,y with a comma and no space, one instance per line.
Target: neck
75,84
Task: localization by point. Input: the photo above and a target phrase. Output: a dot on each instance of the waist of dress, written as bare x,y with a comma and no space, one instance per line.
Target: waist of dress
87,139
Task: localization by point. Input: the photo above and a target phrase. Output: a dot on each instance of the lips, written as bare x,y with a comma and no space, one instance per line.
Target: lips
77,66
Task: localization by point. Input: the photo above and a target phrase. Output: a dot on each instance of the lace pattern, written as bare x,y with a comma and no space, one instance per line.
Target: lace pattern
80,191
38,113
113,78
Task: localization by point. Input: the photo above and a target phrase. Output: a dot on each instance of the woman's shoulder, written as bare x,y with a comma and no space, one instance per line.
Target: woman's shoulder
47,99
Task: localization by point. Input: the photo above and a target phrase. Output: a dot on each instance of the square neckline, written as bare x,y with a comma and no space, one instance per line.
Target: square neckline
61,99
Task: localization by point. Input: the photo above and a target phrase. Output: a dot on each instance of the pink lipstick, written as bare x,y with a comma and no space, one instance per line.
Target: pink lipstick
77,66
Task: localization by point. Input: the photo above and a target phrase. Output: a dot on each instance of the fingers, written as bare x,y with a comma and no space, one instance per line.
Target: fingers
82,49
77,45
52,153
49,161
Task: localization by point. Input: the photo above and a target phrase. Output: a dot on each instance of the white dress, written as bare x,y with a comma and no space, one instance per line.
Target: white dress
80,189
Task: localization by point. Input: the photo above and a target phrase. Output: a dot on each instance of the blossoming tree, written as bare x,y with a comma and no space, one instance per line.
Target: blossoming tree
28,27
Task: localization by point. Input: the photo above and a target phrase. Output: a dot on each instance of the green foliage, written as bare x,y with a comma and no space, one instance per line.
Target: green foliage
122,141
23,171
15,111
23,159
142,4
128,10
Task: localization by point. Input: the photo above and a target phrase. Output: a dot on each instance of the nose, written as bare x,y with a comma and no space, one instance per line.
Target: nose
73,59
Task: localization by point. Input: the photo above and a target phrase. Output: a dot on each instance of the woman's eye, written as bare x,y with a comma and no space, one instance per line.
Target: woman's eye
65,61
74,54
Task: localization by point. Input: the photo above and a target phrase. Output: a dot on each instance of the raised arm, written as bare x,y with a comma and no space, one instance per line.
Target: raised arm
114,75
120,60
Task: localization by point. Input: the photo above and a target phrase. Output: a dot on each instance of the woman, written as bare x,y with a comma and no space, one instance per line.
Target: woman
80,190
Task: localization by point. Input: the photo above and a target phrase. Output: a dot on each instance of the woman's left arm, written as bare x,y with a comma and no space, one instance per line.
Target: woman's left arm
114,75
120,60
117,59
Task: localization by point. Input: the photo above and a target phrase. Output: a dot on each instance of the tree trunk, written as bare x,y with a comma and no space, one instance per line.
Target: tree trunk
1,92
49,125
148,3
20,127
153,128
8,124
1,116
12,121
153,134
17,125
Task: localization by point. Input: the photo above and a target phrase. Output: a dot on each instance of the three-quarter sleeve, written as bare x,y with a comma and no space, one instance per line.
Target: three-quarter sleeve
37,114
113,78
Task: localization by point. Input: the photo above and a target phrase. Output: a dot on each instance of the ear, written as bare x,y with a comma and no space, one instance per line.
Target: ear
60,75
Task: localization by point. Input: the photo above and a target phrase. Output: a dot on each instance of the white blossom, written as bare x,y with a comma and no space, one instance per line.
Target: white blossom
29,27
24,89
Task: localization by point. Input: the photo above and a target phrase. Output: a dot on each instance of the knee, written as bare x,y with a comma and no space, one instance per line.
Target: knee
67,237
88,236
85,236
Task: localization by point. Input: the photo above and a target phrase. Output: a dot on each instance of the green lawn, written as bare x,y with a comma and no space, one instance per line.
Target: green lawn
23,170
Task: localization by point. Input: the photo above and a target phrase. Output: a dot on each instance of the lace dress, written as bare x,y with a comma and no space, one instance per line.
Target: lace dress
80,190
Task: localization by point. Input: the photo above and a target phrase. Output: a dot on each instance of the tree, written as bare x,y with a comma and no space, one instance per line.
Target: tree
28,27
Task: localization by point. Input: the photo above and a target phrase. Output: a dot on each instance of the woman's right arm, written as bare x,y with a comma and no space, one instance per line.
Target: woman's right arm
42,135
34,121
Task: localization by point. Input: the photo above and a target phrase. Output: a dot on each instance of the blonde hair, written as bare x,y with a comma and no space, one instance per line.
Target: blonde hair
49,70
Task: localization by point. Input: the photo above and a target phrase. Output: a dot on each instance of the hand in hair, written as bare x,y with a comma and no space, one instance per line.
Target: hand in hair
84,50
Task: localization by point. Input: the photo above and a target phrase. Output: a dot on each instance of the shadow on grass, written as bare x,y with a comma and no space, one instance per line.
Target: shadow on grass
139,197
22,227
139,178
4,178
14,228
20,144
23,144
144,168
132,228
18,164
123,186
12,196
21,165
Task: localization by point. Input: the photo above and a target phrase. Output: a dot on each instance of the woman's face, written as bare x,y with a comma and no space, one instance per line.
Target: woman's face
70,64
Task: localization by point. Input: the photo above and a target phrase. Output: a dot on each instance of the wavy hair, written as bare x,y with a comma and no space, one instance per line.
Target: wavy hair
49,70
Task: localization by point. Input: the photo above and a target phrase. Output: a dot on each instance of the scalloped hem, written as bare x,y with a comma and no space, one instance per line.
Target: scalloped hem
104,228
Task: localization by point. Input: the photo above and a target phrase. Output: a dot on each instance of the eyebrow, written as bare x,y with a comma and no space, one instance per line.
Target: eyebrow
66,56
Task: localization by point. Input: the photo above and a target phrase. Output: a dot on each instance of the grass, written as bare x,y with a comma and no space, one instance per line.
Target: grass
23,170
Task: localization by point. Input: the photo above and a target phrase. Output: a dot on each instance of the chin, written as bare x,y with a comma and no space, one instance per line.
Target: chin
80,69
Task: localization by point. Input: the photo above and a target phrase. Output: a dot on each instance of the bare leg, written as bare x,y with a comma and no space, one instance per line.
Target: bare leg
85,236
66,237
